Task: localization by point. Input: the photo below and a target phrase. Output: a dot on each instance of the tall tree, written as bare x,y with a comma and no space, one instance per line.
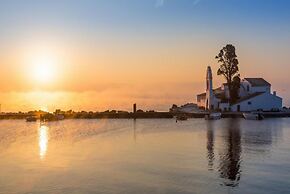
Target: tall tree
230,70
235,90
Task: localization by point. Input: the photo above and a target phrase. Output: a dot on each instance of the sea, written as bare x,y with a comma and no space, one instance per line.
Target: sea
145,156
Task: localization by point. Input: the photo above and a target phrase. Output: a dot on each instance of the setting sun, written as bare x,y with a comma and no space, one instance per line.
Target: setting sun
44,69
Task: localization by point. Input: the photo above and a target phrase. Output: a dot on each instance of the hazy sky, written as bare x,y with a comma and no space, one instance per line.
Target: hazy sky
109,54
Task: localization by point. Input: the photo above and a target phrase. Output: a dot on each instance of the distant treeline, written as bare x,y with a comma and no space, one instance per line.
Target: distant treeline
87,115
123,115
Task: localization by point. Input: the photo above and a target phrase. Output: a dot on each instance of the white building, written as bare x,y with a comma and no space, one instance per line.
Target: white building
187,108
255,94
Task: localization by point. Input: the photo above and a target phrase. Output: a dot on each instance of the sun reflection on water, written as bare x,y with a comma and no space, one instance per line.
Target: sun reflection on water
43,141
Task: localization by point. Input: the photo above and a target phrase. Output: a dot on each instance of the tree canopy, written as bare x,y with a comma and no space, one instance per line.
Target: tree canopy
230,70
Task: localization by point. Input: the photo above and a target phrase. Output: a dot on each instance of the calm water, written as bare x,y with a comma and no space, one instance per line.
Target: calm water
145,156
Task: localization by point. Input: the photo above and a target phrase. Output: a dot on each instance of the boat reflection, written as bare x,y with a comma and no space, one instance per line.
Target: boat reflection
43,140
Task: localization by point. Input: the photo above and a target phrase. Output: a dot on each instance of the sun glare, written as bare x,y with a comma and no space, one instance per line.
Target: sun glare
43,141
44,108
44,69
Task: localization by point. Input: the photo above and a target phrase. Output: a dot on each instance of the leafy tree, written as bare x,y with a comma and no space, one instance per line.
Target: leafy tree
230,70
234,92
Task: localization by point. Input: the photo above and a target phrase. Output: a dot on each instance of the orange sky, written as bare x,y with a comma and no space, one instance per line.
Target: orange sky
112,58
116,76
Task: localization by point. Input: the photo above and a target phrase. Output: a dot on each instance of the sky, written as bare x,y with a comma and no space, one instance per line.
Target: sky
108,54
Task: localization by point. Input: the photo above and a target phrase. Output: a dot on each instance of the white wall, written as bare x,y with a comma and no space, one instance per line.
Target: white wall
224,105
265,101
215,102
243,90
189,109
201,102
225,88
255,89
261,89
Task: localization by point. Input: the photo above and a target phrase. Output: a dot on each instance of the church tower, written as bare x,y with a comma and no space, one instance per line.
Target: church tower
209,90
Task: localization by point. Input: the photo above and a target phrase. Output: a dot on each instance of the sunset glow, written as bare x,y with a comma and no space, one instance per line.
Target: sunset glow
43,141
105,51
44,69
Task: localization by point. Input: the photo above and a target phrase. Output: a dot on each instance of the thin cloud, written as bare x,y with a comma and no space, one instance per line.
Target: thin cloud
160,3
195,2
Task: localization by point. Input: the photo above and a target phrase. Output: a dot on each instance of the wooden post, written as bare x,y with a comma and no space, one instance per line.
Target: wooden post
134,110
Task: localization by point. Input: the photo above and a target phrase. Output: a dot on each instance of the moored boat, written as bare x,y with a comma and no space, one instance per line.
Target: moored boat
253,116
213,116
59,117
31,119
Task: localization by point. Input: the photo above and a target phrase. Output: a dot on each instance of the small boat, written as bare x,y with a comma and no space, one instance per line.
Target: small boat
59,117
213,116
51,117
181,118
31,119
253,116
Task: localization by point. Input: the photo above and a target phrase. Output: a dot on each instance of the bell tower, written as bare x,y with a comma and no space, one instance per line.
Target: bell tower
209,90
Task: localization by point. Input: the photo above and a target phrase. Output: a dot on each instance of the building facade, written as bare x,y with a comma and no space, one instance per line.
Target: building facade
254,94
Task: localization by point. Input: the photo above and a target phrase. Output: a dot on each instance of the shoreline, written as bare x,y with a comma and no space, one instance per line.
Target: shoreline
141,115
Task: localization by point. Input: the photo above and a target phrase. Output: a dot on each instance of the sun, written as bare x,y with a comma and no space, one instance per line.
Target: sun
44,69
43,72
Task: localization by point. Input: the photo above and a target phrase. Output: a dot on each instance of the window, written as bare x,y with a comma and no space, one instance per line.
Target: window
249,103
